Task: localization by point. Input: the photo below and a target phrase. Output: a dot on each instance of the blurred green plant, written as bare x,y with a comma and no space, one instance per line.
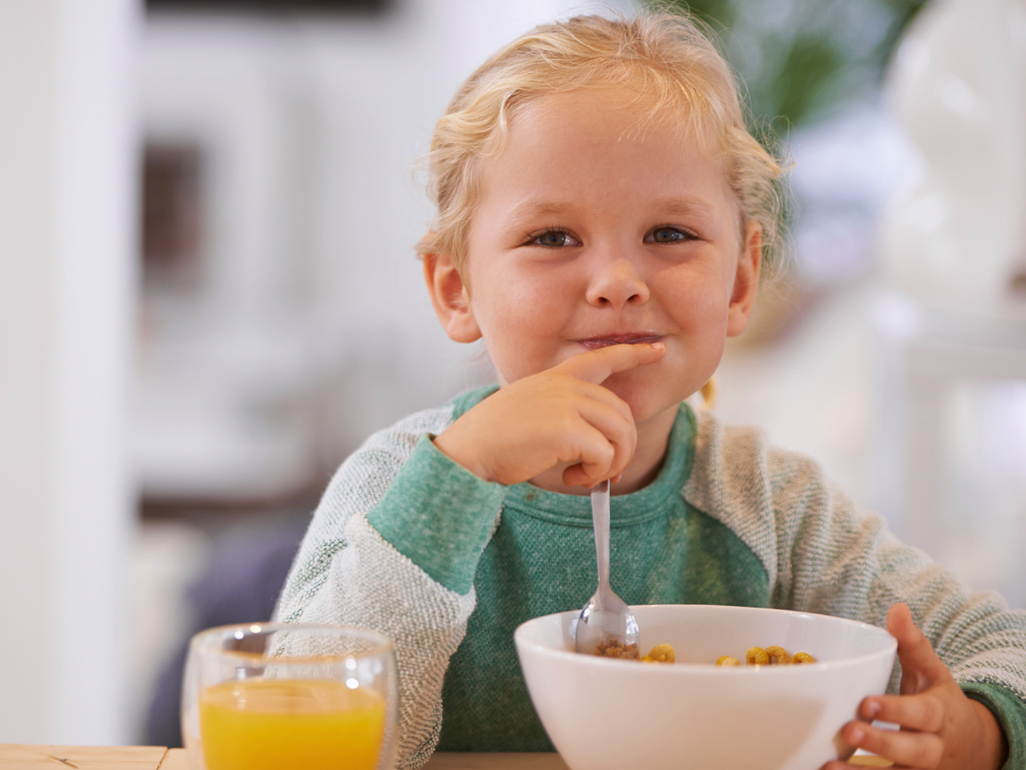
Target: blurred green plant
802,59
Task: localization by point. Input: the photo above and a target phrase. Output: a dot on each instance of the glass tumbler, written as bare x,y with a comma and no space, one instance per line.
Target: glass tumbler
267,696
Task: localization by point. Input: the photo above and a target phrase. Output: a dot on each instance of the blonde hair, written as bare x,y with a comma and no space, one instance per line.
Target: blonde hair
665,56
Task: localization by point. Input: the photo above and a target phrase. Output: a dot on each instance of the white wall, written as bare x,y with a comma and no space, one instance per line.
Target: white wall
67,198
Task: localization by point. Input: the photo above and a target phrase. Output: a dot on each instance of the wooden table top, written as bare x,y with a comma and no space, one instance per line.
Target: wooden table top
24,757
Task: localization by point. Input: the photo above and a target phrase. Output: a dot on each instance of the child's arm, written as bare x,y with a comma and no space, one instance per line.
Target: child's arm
347,572
398,534
822,554
941,728
556,417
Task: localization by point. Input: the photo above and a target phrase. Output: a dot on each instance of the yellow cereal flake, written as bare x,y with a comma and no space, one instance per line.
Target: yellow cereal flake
756,656
771,656
663,653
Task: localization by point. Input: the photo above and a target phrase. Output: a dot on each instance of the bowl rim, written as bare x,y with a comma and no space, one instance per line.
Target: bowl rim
889,649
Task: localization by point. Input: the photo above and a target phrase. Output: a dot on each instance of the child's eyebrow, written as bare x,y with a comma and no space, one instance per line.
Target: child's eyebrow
684,207
675,206
533,208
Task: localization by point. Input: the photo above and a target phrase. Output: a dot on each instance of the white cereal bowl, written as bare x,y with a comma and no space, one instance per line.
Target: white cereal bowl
605,714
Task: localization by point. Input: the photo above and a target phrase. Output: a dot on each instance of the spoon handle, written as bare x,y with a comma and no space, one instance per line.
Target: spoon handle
600,521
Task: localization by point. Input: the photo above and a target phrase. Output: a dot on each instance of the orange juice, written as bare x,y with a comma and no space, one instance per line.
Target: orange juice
271,724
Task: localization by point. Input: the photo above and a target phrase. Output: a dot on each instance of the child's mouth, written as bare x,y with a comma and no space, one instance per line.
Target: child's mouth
594,343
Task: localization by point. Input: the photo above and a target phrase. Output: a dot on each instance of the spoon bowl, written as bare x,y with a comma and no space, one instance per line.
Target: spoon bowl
606,625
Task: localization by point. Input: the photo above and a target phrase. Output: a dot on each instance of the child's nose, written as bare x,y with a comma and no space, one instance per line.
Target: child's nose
617,284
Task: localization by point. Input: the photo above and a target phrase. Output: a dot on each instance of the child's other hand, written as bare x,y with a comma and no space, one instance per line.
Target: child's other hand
940,726
557,417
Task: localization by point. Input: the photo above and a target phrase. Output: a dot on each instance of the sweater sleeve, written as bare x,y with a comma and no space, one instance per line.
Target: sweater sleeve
398,579
824,555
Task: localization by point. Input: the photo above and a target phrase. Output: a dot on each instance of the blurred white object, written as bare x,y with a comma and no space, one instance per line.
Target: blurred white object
954,245
951,464
957,238
67,189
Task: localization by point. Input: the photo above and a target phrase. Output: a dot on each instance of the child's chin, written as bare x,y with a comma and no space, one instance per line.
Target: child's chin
655,415
646,406
647,399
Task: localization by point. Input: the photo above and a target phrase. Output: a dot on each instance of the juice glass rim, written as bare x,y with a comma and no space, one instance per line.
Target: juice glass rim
202,641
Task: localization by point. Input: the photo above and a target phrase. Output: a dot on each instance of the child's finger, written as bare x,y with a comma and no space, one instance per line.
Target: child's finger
920,666
603,396
615,423
597,365
912,712
903,748
596,458
597,463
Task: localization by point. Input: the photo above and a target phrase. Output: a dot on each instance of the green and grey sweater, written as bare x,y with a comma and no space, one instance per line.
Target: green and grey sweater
410,543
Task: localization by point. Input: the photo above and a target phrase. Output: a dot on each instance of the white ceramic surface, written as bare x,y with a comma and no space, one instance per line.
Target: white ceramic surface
955,234
604,714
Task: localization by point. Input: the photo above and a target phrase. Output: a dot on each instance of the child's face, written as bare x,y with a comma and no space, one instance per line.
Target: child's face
590,231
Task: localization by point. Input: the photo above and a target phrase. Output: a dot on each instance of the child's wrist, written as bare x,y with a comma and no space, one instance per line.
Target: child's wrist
444,444
993,748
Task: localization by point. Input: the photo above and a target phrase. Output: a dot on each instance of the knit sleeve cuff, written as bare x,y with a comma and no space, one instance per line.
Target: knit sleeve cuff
1010,712
439,515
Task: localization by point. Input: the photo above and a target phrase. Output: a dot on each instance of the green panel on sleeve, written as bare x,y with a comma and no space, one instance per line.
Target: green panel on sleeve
1010,712
439,515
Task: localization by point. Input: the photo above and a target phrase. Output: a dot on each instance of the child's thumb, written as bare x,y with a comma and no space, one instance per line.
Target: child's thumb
920,666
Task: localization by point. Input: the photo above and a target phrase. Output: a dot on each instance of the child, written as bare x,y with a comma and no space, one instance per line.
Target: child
603,218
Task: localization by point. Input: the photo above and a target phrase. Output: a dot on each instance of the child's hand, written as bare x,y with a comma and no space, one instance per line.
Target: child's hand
940,726
559,416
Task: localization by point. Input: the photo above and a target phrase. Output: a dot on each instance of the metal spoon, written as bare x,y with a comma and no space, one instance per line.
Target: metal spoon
606,619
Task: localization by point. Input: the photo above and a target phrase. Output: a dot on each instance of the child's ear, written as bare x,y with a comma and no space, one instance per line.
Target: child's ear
451,298
746,280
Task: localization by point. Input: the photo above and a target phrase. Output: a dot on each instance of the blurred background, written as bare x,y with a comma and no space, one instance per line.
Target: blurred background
210,296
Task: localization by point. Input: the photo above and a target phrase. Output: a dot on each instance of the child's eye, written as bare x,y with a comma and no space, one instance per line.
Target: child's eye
668,235
553,239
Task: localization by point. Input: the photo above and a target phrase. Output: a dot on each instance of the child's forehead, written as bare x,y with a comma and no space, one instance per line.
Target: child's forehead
623,115
636,111
581,150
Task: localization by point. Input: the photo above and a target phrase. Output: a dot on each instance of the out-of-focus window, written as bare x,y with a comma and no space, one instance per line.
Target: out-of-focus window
172,207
